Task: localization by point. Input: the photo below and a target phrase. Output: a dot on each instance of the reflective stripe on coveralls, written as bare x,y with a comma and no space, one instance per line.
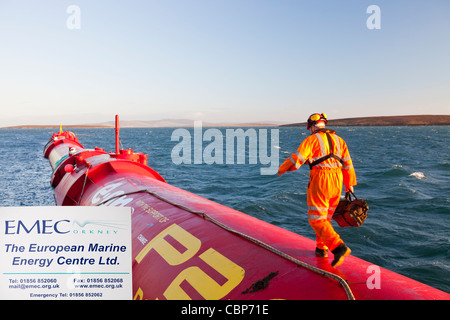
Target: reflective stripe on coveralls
315,147
326,179
324,192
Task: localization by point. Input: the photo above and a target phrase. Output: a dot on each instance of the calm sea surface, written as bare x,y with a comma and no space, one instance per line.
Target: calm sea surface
403,173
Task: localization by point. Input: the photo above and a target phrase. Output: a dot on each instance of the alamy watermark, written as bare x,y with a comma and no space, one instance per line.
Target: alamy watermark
236,146
374,280
373,22
73,21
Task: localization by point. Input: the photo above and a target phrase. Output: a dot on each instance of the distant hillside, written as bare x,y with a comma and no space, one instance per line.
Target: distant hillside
414,120
55,126
170,123
183,123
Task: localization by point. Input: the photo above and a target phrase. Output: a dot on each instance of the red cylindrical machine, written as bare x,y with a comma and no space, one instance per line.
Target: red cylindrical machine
187,247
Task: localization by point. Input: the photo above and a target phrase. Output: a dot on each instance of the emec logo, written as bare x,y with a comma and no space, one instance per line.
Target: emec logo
37,227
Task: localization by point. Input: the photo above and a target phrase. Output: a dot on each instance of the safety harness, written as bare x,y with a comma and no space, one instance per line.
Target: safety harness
331,154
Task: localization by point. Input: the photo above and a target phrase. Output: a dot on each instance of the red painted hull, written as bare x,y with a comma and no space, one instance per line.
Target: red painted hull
188,247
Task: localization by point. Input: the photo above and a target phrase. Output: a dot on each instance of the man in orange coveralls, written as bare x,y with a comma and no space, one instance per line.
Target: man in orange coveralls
330,165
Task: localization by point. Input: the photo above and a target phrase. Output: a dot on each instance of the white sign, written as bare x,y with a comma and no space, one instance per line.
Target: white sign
65,253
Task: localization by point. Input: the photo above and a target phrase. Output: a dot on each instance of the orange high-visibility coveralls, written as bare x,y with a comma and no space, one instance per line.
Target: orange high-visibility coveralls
325,182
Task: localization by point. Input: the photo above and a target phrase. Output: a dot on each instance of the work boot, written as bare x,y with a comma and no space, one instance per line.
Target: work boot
340,253
321,253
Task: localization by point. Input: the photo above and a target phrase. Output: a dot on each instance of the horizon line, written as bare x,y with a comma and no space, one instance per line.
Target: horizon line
190,123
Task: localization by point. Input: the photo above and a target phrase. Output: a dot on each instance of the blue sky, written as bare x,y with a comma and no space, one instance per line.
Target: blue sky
221,60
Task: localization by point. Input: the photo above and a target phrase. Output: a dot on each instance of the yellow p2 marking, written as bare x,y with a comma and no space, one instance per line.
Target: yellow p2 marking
167,251
206,286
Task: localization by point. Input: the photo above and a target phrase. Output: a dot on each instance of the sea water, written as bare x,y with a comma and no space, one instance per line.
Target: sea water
402,172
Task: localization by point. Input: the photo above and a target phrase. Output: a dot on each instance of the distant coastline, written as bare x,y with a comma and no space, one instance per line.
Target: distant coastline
164,123
50,126
409,120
